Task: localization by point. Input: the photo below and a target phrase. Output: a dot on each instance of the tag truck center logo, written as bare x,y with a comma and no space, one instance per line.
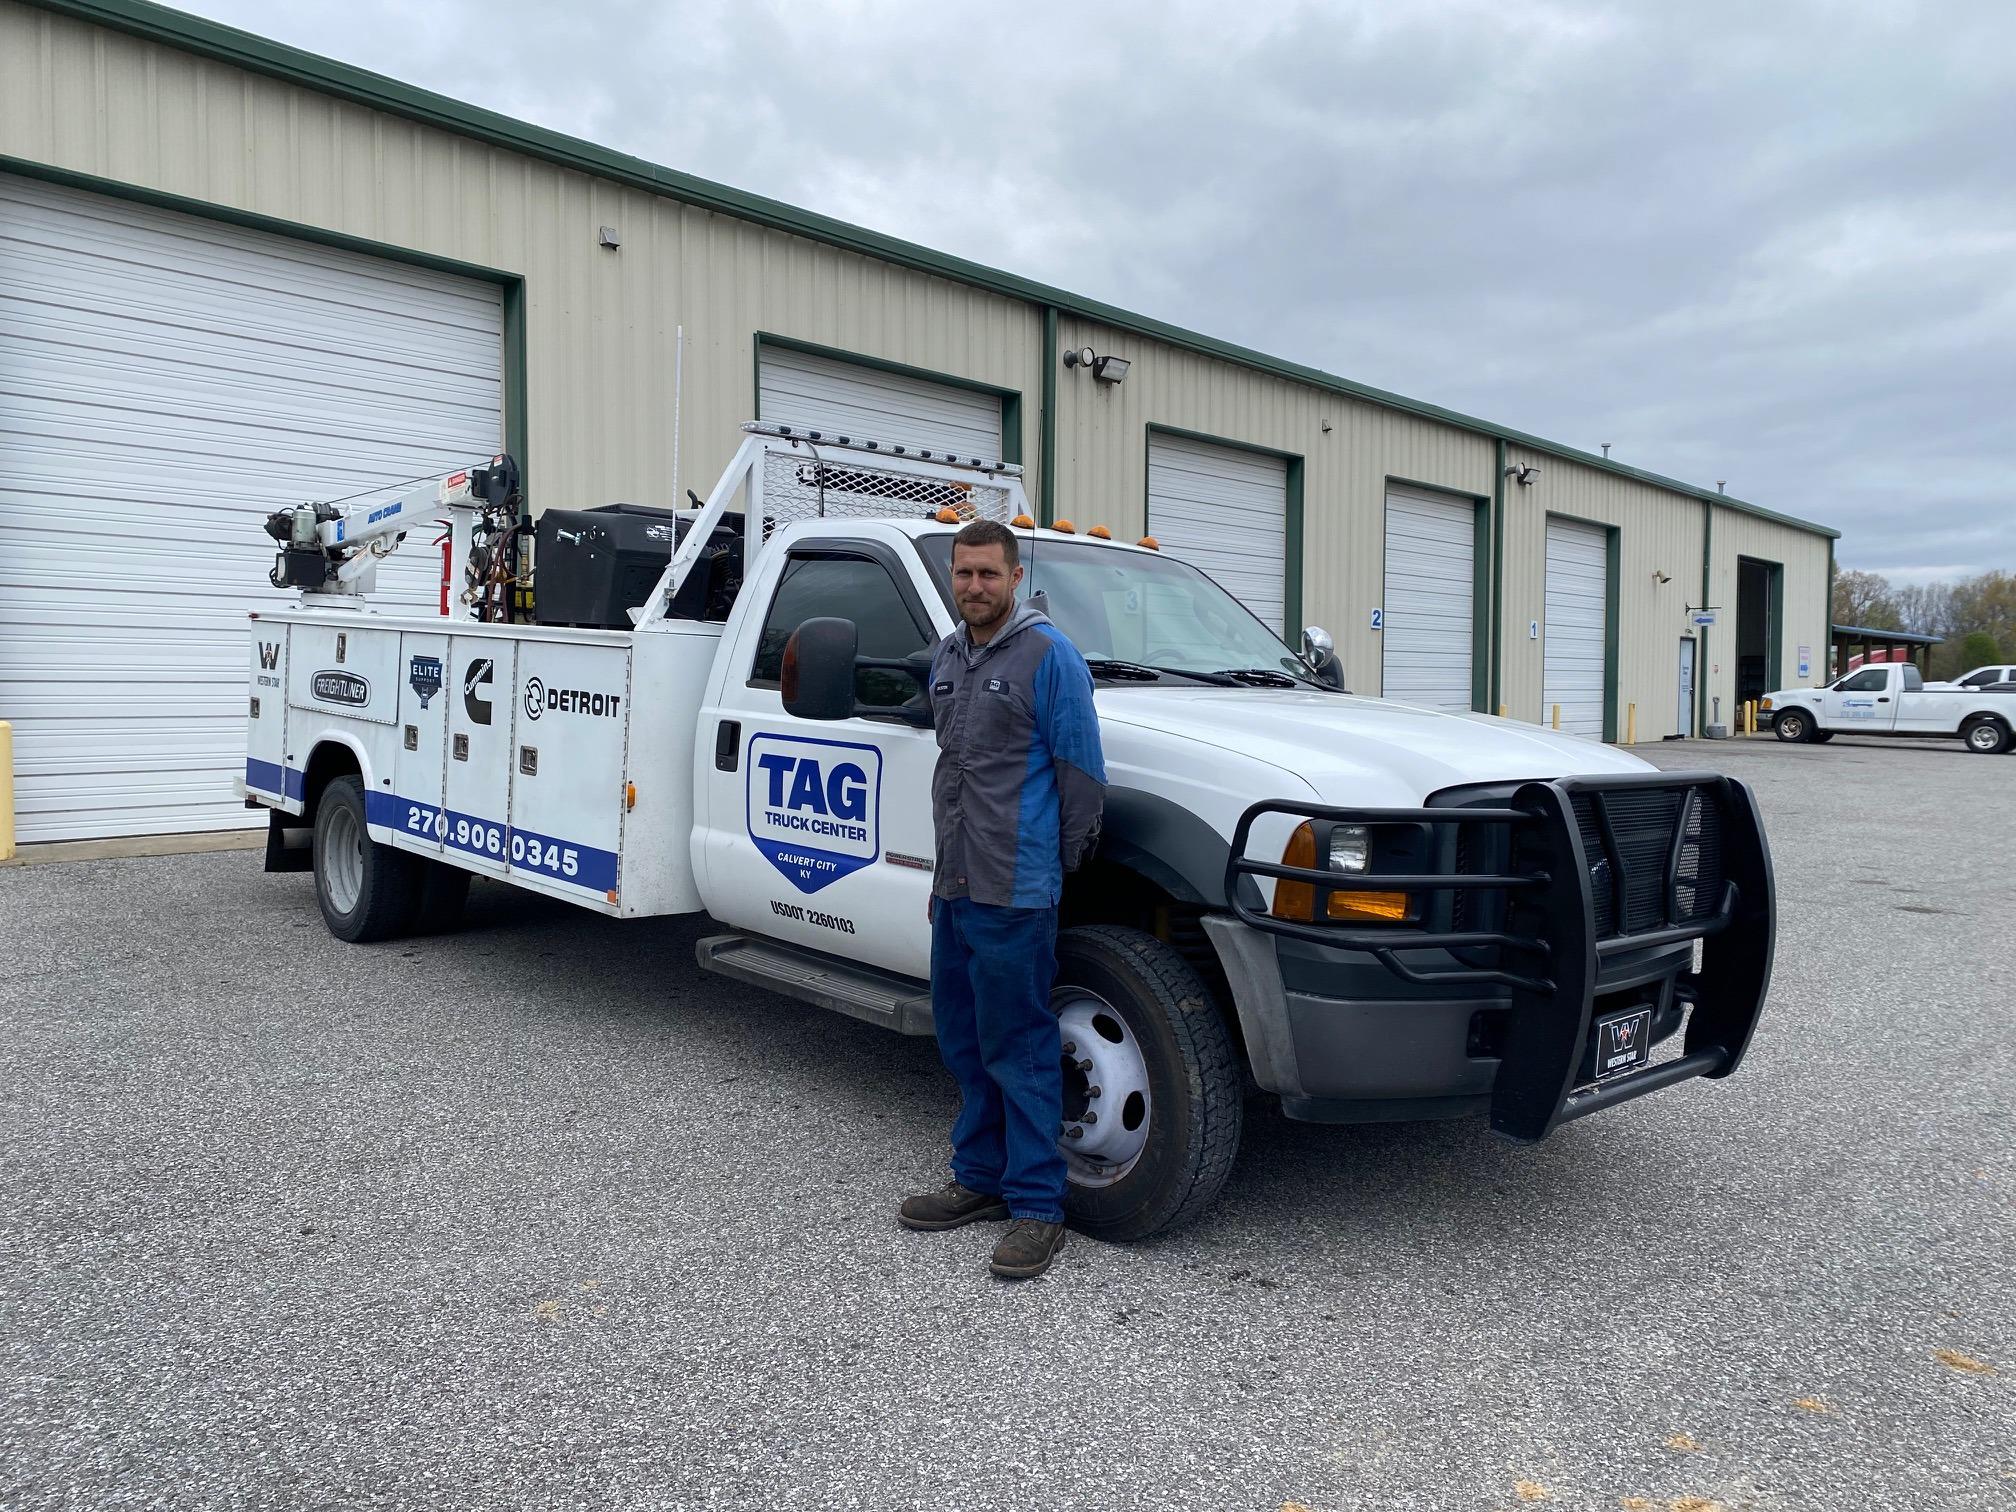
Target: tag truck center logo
540,699
815,807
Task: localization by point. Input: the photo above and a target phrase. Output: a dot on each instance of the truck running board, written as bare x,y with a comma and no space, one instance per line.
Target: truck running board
861,992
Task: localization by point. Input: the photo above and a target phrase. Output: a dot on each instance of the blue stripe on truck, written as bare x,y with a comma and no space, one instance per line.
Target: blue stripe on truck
271,777
561,860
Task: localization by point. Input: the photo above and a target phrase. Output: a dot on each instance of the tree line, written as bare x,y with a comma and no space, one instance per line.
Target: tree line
1975,617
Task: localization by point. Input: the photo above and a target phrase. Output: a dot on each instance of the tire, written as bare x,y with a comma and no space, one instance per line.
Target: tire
1986,736
367,891
1793,726
1148,1021
443,891
1821,737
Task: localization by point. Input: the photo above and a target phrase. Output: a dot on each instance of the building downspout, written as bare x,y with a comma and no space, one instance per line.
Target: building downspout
1497,651
1046,423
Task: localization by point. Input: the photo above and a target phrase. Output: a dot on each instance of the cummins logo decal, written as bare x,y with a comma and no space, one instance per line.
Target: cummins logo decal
476,689
540,699
815,807
341,687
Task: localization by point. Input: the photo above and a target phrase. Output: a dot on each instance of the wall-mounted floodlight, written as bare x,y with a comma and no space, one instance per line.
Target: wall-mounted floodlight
1081,357
1110,369
1525,477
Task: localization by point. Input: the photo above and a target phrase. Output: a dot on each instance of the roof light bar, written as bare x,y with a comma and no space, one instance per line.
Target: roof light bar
801,433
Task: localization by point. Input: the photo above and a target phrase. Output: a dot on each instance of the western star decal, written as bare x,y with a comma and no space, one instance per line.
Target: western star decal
815,807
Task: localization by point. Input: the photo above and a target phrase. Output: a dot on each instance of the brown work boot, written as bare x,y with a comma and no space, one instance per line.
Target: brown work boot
951,1208
1027,1249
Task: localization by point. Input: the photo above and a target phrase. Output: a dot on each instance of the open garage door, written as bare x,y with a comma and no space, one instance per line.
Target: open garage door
1428,627
1224,509
165,382
1578,598
854,399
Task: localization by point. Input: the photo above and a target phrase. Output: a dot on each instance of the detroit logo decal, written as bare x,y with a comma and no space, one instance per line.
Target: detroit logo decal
815,807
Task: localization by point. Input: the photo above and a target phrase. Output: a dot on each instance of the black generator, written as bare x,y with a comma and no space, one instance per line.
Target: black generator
595,564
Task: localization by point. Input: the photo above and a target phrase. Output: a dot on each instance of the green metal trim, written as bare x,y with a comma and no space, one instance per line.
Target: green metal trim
1701,667
1011,399
1827,646
510,285
1613,620
1497,697
1046,483
375,91
1292,524
1291,587
1481,610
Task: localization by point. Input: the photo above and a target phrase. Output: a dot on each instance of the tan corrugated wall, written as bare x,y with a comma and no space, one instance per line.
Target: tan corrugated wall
1803,555
599,324
1102,464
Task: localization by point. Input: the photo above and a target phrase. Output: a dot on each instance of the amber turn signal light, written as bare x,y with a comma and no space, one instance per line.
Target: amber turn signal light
1297,900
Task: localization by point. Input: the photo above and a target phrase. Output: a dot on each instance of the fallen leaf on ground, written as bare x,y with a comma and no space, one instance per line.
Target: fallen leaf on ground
1293,1507
1693,1504
1684,1443
1531,1491
1635,1503
1958,1361
547,1312
1811,1404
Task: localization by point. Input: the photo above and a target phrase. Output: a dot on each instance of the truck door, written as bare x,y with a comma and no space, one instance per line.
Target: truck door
819,833
1861,701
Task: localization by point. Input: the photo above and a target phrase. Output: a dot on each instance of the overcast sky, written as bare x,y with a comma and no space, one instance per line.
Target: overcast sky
1773,243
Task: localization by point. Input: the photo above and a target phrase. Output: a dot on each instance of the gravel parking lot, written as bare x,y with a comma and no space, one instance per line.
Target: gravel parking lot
536,1215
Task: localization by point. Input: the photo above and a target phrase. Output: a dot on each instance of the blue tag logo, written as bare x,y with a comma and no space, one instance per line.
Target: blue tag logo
423,675
815,807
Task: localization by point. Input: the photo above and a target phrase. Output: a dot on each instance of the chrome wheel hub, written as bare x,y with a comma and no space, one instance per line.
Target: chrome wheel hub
1107,1102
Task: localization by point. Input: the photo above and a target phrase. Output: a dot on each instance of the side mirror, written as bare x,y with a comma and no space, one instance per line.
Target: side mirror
1320,651
818,672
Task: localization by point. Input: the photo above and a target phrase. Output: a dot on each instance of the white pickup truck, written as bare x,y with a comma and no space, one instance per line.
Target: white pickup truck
1367,910
1893,700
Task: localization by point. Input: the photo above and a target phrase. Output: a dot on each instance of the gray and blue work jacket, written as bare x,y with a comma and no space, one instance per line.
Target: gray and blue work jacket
1020,781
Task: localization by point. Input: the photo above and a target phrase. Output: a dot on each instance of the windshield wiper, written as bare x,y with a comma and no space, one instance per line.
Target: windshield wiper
1126,671
1261,677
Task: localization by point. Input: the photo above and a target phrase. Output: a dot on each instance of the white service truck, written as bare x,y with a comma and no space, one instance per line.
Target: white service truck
1892,699
1368,910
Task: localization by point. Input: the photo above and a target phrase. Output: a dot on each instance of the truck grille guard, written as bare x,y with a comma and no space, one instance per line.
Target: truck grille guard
1594,870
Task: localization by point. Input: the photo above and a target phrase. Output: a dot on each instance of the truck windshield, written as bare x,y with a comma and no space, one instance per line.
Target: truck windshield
1146,612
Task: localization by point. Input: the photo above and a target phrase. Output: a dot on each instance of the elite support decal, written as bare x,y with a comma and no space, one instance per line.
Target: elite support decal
815,807
423,673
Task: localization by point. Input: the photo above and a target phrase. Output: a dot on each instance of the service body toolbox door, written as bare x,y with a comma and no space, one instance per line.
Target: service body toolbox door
417,820
569,729
482,670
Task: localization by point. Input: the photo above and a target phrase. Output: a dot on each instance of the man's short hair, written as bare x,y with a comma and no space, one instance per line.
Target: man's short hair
985,533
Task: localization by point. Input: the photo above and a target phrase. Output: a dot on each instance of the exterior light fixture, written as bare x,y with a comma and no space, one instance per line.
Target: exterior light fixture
1079,357
1110,369
1525,477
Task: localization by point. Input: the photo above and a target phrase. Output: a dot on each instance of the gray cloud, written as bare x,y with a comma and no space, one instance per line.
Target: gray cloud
1767,243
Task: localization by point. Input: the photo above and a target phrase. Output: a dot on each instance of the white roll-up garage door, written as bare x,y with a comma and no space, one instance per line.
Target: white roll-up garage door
1224,509
165,382
852,399
1428,627
1578,594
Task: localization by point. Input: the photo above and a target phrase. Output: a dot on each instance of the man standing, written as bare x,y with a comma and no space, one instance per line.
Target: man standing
1015,803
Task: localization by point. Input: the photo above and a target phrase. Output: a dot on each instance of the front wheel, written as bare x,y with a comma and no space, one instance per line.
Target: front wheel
1792,725
367,891
1987,737
1153,1101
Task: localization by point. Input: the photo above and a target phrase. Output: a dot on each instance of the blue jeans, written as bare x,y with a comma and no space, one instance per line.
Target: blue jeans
991,972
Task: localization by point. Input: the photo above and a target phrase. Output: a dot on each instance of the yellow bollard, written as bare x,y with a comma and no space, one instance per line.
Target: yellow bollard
1502,711
1630,724
1557,716
6,791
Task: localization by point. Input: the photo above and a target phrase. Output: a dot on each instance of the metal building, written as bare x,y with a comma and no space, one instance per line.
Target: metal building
234,275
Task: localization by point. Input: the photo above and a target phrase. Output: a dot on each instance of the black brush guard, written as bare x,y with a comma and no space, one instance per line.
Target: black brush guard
1551,951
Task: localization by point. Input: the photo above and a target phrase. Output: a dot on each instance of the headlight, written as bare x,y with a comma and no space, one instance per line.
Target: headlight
1764,705
1350,854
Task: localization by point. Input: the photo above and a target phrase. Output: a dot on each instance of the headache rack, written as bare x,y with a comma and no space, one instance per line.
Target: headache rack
1595,874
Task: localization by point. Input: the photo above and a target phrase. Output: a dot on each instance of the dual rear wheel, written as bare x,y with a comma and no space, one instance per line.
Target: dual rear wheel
369,891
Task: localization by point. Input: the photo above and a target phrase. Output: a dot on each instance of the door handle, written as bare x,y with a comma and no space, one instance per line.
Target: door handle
1884,699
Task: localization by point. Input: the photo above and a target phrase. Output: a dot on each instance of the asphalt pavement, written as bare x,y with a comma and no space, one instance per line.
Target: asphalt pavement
537,1215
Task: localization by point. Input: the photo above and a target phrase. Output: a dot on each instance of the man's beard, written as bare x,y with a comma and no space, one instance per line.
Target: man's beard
995,614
